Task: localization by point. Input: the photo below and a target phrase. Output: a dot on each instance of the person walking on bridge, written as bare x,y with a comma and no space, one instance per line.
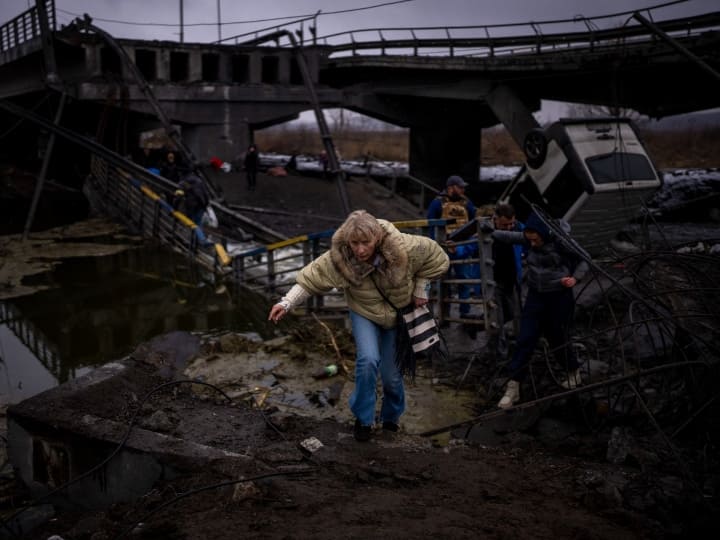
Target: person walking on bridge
373,264
195,196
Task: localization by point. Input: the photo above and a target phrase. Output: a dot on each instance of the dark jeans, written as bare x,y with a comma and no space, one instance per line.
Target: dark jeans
251,177
549,314
507,299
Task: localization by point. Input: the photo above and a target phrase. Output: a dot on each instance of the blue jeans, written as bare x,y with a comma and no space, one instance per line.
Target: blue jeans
551,314
375,348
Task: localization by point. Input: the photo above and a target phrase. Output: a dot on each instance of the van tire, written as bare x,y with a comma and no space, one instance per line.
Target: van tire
535,147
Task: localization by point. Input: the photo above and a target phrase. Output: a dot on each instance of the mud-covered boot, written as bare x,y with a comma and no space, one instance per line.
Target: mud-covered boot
512,395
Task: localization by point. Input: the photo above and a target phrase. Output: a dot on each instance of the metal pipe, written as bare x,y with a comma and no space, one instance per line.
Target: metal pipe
675,45
43,170
219,23
182,23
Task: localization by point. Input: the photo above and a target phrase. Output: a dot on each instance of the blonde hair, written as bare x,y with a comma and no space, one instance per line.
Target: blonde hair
361,225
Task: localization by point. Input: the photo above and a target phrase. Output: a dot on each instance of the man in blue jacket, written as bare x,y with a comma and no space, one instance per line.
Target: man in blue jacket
451,203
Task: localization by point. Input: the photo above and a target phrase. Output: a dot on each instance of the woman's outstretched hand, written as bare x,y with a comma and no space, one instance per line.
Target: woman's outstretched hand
277,312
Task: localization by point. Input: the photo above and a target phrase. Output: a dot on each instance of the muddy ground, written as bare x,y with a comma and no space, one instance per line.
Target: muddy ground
550,478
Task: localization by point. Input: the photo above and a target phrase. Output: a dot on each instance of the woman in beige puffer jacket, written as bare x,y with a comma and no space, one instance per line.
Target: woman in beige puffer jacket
368,254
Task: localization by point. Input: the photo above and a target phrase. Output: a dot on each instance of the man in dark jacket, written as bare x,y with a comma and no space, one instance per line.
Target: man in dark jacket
552,272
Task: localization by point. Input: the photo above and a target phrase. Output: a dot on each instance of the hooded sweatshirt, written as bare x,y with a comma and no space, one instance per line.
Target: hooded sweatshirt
549,263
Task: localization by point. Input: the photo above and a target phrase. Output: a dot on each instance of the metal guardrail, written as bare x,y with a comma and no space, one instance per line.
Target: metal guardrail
488,41
25,27
423,190
494,40
271,270
268,269
31,337
135,204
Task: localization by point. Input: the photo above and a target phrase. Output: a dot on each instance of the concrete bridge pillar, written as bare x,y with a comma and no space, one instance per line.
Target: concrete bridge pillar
513,111
443,149
226,141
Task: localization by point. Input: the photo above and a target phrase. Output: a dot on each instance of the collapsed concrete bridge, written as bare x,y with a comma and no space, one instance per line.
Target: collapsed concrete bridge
443,88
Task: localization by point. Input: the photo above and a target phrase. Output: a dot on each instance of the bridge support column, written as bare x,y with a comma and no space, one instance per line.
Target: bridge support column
513,112
443,149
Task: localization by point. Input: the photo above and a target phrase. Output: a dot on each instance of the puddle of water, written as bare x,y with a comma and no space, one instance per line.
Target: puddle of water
99,309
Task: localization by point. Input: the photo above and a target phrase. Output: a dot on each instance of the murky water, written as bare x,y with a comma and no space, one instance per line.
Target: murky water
99,309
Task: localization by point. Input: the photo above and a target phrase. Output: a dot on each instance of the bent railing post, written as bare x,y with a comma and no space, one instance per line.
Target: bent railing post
675,45
43,170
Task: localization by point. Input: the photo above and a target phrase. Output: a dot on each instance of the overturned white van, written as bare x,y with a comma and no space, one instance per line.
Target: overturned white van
594,173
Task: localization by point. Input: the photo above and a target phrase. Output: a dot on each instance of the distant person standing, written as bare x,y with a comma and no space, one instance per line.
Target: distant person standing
451,203
324,161
251,166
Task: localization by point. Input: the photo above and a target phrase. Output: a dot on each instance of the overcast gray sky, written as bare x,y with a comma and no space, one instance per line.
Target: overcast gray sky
402,13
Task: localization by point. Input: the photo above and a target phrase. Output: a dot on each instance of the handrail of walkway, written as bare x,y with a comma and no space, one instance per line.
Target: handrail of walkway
271,270
25,27
466,40
135,203
503,35
262,268
423,188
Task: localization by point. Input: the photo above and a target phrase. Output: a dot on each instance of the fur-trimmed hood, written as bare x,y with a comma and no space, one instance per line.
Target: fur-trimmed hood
392,262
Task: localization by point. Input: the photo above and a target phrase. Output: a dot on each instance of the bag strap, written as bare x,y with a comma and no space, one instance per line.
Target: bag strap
382,293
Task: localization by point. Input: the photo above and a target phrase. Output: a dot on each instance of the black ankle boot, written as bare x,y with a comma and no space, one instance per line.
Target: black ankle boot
362,433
